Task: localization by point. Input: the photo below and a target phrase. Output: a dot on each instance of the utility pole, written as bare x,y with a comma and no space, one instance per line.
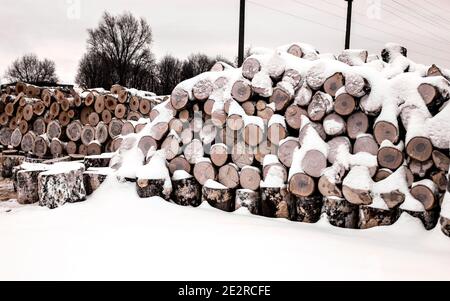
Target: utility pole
241,33
349,23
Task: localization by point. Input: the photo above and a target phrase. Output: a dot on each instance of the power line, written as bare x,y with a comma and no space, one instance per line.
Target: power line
440,8
426,18
432,13
406,20
371,27
397,27
334,29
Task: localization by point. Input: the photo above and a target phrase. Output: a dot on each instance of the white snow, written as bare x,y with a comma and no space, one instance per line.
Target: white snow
258,121
114,235
211,184
277,119
62,167
180,175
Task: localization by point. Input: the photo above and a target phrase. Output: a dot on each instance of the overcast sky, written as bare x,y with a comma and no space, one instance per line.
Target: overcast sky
56,29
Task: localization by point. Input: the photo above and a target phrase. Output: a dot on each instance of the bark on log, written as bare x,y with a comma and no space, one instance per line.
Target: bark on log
220,198
308,209
357,123
9,162
186,192
63,185
276,202
93,178
248,199
151,188
373,217
340,213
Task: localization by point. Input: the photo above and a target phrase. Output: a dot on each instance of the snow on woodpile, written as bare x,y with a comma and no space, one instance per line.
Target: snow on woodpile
372,129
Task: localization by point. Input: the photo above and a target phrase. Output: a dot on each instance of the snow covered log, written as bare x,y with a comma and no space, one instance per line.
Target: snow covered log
102,160
26,182
250,178
218,196
390,156
9,162
60,184
308,209
93,177
186,190
429,218
341,213
153,179
276,200
370,217
248,199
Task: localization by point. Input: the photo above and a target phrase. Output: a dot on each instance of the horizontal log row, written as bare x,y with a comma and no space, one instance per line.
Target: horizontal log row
54,122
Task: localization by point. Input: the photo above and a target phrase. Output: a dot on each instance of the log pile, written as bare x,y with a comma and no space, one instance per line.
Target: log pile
295,135
48,122
357,138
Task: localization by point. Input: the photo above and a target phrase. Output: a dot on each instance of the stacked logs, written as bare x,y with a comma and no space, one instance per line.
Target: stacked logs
294,134
54,122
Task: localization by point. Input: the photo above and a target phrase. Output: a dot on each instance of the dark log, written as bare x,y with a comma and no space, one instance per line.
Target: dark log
344,104
341,213
241,90
9,162
220,198
373,217
151,188
276,202
428,218
186,192
93,178
248,199
62,185
308,209
97,161
293,116
419,148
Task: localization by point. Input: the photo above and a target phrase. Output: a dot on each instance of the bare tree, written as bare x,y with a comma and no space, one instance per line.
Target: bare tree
169,72
196,64
30,69
121,48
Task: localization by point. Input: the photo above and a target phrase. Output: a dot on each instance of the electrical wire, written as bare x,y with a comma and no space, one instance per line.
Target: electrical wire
334,29
373,28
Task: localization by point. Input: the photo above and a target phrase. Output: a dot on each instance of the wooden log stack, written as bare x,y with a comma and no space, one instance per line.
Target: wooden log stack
49,122
292,134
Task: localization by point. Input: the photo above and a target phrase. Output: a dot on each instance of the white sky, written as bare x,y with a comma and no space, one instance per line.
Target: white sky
56,29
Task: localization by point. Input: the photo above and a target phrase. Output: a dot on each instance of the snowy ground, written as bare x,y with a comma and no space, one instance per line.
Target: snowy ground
117,236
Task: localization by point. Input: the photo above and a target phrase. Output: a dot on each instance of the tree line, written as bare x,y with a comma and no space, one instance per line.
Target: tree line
118,52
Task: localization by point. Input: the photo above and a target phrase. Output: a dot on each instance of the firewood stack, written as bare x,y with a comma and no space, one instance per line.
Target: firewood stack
53,122
295,134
